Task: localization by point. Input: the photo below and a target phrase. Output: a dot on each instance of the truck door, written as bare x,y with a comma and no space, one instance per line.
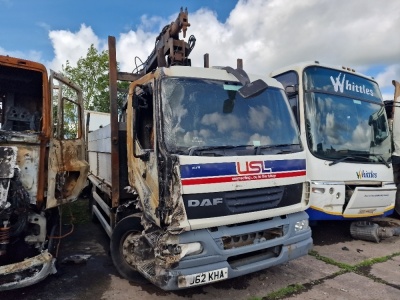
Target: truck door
67,167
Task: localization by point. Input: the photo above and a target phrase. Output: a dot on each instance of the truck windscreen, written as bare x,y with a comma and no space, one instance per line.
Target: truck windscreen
209,113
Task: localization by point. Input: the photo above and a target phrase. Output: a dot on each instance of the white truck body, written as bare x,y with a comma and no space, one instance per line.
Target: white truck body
96,119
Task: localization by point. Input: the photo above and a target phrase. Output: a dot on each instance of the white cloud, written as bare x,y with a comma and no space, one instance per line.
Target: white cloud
266,35
385,78
131,45
71,46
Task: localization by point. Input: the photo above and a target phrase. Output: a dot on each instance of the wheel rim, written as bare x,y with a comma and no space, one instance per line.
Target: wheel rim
129,242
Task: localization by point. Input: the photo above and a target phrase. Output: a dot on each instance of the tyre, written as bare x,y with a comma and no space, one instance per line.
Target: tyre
122,251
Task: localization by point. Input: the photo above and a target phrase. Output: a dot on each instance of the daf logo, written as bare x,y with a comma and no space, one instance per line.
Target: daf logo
204,202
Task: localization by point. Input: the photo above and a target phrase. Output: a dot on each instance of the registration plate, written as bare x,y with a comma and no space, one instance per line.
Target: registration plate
203,278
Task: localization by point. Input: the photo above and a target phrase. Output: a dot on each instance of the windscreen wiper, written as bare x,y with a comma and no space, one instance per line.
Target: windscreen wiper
259,148
380,158
346,158
194,149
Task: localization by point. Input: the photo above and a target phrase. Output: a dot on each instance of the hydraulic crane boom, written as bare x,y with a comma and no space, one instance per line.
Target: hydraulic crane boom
169,50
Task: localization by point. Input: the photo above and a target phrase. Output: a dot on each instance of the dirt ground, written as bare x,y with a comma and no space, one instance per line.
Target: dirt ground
85,271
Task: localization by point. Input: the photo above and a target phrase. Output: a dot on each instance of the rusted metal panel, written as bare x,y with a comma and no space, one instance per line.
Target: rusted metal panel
125,76
114,121
67,173
143,176
68,168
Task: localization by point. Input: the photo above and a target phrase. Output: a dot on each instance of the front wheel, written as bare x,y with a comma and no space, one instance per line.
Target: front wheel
124,239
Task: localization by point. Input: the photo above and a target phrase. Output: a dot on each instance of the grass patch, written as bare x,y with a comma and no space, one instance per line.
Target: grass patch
76,212
284,292
332,262
349,268
372,261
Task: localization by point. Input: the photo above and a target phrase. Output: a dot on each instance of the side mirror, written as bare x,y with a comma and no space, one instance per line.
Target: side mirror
249,89
253,89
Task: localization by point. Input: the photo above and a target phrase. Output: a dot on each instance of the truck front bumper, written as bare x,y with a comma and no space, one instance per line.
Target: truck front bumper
217,262
27,272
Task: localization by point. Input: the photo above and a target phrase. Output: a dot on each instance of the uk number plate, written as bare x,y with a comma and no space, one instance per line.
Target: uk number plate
203,278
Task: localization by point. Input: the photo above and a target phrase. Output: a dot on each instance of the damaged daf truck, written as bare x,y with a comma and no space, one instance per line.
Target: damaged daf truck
42,165
200,176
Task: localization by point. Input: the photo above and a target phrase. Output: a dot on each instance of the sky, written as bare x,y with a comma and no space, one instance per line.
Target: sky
266,34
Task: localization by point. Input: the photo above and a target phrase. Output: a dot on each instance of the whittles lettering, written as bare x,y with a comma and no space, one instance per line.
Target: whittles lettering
342,85
363,174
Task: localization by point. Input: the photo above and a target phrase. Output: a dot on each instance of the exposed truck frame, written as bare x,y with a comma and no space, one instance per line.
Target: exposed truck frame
190,180
42,166
345,131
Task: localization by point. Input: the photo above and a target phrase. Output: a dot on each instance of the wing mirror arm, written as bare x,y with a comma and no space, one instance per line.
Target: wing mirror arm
249,89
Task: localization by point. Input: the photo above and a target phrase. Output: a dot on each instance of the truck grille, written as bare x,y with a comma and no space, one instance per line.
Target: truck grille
254,199
237,241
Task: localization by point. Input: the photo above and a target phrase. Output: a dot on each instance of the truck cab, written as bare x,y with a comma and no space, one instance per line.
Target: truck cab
200,176
42,166
200,181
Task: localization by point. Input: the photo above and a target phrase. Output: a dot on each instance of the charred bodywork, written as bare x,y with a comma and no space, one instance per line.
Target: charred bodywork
41,167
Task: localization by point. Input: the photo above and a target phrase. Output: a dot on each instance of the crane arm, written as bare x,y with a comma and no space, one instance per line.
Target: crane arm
169,50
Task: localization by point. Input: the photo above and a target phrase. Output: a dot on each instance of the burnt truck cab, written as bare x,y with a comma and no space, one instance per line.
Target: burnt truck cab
42,166
211,183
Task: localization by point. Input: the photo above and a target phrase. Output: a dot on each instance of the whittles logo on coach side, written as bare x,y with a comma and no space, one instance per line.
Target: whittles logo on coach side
364,174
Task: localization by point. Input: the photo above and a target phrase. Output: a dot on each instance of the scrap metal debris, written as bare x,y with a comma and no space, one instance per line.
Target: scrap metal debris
76,259
368,231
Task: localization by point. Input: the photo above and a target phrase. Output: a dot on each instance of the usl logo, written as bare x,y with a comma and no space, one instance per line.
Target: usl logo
364,174
252,167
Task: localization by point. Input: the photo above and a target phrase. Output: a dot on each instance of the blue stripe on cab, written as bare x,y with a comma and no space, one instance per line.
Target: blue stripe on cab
229,168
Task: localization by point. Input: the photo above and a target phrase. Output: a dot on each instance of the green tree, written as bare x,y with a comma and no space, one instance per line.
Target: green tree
91,74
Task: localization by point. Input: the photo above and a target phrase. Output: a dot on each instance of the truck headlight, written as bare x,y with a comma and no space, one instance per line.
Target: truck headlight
301,225
182,250
190,249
